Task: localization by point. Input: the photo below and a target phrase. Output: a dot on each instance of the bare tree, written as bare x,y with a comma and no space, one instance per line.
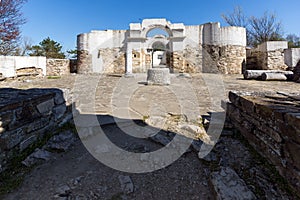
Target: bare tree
265,28
237,18
293,41
11,19
24,48
259,29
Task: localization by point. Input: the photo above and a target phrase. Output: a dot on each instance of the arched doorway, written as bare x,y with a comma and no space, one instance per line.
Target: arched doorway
140,39
159,46
159,54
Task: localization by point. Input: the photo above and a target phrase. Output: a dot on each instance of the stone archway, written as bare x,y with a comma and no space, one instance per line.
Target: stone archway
137,41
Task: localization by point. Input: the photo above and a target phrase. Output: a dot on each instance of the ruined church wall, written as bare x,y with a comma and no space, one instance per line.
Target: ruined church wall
194,50
212,49
100,50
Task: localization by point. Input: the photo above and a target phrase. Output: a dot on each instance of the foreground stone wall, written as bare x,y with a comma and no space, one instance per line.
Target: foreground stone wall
271,124
58,67
26,116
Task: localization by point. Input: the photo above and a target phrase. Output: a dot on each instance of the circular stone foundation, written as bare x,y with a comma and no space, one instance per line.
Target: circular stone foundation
158,76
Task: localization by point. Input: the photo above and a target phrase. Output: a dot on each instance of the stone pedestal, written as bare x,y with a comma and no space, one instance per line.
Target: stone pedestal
158,76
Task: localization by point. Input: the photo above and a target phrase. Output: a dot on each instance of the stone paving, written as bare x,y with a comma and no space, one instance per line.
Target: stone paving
76,174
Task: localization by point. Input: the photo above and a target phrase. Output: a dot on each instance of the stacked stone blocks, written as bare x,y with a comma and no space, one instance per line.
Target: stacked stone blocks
271,124
26,116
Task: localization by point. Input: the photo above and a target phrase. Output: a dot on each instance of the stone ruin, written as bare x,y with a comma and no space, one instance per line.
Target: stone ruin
271,124
191,49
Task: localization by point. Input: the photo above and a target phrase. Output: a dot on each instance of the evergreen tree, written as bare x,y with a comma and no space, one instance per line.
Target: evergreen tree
48,48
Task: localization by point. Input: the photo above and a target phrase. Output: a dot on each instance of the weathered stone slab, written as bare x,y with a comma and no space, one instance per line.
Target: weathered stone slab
27,142
228,185
59,111
46,107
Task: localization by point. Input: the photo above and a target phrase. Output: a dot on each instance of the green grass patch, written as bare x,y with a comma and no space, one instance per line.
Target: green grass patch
53,77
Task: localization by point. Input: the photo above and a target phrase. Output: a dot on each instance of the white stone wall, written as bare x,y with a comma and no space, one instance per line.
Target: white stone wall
214,34
180,38
292,57
95,41
9,64
272,46
268,56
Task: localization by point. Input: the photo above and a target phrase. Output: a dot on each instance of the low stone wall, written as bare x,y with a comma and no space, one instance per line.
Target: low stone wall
292,57
26,116
9,65
58,67
267,56
271,124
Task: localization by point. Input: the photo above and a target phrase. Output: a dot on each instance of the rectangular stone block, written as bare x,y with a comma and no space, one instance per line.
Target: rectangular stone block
272,144
37,124
27,142
46,107
233,113
291,133
59,111
59,98
10,139
248,104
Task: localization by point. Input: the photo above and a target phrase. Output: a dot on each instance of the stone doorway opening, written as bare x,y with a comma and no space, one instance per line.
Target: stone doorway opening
159,46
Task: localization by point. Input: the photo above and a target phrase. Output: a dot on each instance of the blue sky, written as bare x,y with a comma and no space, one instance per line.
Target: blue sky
63,20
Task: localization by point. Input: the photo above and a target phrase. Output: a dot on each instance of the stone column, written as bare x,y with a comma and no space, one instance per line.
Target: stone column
128,70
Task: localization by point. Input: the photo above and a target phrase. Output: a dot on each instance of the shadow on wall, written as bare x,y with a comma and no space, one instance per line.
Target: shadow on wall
27,116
